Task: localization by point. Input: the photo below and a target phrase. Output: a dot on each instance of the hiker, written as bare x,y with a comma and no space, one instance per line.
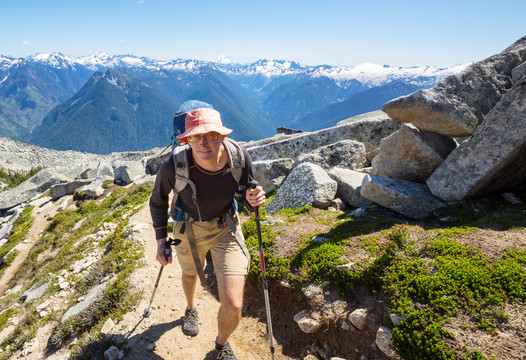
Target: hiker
209,218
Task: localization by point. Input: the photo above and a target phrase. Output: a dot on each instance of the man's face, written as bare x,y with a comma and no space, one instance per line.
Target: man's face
205,148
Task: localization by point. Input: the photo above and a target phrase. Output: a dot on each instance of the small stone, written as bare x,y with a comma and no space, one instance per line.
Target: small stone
112,353
358,318
151,347
107,327
396,319
306,323
384,341
320,239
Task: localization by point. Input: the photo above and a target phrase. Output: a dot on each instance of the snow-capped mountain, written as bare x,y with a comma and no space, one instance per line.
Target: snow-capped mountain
366,73
254,98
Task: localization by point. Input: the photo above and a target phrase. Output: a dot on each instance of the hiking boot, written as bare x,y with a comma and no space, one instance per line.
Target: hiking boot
225,353
190,323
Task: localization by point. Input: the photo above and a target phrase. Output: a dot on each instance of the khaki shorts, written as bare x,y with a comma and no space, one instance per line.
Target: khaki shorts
227,255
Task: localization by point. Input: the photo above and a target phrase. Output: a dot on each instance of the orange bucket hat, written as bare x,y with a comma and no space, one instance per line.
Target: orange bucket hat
202,121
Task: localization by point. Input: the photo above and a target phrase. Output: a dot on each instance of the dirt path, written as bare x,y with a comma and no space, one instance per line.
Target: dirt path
40,213
163,327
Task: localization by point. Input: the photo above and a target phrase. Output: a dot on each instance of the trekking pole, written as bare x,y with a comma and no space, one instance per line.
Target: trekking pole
253,185
167,252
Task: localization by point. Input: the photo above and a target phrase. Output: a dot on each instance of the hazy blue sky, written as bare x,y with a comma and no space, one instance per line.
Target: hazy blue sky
399,33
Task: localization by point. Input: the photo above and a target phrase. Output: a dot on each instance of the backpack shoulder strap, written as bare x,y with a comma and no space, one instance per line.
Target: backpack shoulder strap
236,158
182,174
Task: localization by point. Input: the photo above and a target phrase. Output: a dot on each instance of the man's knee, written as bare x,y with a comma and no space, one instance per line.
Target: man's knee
189,278
232,305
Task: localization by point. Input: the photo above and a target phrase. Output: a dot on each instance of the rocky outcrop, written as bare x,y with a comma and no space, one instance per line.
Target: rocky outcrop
346,154
457,105
307,184
270,174
33,186
411,199
349,186
368,132
494,158
59,190
411,154
127,171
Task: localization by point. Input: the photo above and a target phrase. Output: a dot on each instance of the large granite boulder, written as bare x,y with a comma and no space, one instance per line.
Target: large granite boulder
127,171
456,105
348,154
33,186
411,154
408,198
59,190
494,158
367,131
270,174
307,184
349,186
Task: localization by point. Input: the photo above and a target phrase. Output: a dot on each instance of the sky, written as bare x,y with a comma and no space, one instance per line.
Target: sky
311,32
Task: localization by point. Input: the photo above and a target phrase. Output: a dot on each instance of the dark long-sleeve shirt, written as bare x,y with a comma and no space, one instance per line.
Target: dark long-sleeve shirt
214,190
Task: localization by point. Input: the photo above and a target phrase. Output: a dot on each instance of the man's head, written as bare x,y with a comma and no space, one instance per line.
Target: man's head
203,121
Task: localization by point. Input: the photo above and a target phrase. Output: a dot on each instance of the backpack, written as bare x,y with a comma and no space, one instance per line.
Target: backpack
237,163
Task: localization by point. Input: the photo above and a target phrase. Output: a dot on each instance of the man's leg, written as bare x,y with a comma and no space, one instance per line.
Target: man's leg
189,284
230,289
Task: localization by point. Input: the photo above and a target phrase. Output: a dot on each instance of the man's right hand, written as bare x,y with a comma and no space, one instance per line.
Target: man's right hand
161,247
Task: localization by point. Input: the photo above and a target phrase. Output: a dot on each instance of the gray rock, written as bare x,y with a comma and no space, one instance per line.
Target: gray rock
5,229
127,171
397,319
349,154
112,353
59,190
95,189
307,324
359,318
35,293
456,105
270,174
509,197
411,154
107,327
32,187
349,186
319,239
90,298
153,163
518,73
384,341
493,159
411,199
312,290
367,131
307,184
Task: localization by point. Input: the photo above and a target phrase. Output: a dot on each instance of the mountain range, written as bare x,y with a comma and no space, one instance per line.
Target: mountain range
101,103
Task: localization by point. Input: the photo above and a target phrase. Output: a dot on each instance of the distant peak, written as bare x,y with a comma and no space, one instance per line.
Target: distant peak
223,59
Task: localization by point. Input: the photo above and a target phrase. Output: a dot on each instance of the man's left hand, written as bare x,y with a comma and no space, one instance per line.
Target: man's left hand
256,196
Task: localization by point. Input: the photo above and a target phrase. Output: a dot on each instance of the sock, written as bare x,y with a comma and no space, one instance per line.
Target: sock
219,346
194,310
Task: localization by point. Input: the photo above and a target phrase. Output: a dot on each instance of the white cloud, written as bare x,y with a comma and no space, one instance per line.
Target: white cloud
123,41
25,42
140,2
